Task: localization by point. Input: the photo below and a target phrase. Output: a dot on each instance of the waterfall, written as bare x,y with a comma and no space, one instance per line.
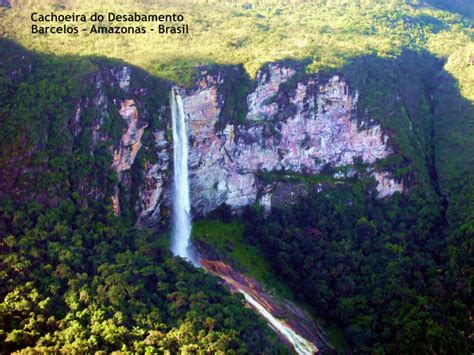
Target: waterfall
181,229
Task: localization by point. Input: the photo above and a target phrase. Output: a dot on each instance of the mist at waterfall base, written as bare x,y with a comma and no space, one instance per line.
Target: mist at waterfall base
181,220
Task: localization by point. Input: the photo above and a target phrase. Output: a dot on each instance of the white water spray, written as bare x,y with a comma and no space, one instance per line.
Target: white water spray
181,230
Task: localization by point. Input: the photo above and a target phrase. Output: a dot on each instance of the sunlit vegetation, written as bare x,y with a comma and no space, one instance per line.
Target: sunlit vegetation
75,280
227,241
328,33
73,277
395,274
367,38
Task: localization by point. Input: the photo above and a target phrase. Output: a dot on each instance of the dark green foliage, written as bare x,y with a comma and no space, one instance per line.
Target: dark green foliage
234,90
397,92
79,281
464,7
61,124
460,253
380,267
395,273
454,133
40,96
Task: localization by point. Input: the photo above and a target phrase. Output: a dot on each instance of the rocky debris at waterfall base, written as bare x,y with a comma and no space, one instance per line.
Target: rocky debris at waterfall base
286,312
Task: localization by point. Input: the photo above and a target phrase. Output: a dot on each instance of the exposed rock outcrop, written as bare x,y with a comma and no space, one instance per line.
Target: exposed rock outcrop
387,186
155,181
129,146
300,130
115,116
293,124
268,85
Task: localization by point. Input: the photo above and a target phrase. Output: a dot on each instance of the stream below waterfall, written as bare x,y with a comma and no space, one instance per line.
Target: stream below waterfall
291,324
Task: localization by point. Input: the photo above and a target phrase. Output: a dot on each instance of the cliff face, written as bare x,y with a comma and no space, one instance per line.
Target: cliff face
299,128
142,165
116,139
116,116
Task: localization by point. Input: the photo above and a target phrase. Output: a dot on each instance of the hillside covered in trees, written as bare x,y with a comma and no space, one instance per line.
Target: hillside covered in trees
394,274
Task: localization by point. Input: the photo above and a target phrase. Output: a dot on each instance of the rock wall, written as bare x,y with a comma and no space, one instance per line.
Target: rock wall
155,182
130,144
291,126
245,138
118,114
299,130
387,186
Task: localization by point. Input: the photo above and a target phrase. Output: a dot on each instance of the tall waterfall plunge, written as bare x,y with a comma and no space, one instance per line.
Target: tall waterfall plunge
181,229
181,232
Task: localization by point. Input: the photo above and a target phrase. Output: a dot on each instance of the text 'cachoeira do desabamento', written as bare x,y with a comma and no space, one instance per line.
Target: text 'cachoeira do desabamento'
109,23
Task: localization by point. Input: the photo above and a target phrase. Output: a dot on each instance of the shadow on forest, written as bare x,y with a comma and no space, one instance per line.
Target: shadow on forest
413,97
